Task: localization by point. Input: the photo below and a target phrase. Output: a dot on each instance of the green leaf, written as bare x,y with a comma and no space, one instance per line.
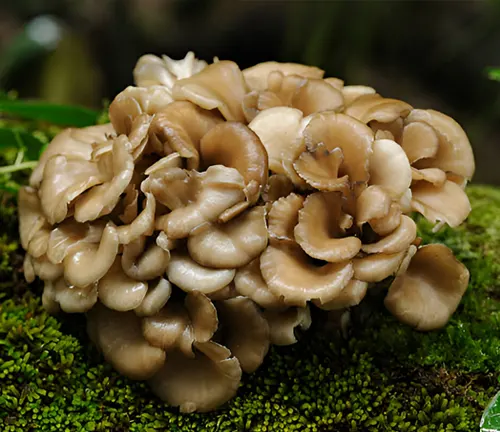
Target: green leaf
22,140
65,115
494,74
490,422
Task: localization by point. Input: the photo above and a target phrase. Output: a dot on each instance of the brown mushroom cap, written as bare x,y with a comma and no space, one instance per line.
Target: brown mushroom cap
278,186
419,140
428,293
118,335
144,262
233,244
191,276
283,325
385,225
400,239
318,230
203,315
156,298
199,384
350,296
372,203
141,225
218,86
283,217
370,107
431,175
246,332
288,272
49,301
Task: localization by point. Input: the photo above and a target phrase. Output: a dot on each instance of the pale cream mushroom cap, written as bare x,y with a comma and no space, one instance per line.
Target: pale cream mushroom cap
233,244
257,76
249,282
350,296
46,270
372,107
245,331
317,95
388,130
431,175
75,300
289,273
398,240
49,302
142,261
353,92
454,153
318,230
155,299
218,86
28,269
419,140
203,315
200,384
141,225
388,223
283,325
430,290
372,203
118,335
283,217
335,82
188,275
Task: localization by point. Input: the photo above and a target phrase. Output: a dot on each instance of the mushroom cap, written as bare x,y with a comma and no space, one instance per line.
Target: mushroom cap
317,95
370,107
155,299
203,315
141,225
318,230
134,101
419,140
288,272
353,92
428,293
283,325
283,217
447,203
118,335
49,301
118,291
396,180
188,275
199,384
350,296
372,203
46,270
431,175
385,225
235,145
75,300
398,240
233,244
218,86
246,332
249,282
278,186
454,153
141,262
257,76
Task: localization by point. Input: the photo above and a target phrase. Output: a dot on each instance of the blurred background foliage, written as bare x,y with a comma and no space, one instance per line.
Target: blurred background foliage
433,54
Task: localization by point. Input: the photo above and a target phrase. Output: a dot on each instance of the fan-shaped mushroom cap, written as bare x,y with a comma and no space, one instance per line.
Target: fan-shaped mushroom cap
92,261
118,335
448,203
318,231
283,325
118,291
151,70
191,276
46,270
279,130
350,296
71,142
248,282
179,128
396,179
429,292
218,86
102,199
246,332
278,186
143,224
372,203
335,82
203,315
288,272
377,267
143,262
155,299
454,153
400,239
34,230
388,223
233,244
419,140
391,130
317,95
283,217
431,175
353,92
209,195
354,138
234,145
257,76
199,384
372,107
75,300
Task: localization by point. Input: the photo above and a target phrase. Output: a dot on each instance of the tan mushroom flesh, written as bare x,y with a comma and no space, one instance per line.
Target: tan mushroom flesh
283,325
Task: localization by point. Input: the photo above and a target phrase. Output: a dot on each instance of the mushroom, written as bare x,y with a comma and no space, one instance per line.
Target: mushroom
218,86
283,325
155,299
236,146
151,70
49,301
385,225
118,335
430,175
233,244
46,270
353,92
73,299
428,293
199,384
203,315
141,262
398,240
350,296
289,272
142,225
245,331
372,203
278,186
318,231
419,140
188,275
283,217
373,107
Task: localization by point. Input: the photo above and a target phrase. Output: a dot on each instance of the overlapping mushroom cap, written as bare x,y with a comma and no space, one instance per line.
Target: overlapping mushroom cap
220,207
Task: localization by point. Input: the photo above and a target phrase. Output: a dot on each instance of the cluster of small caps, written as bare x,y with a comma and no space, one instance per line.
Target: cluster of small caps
220,205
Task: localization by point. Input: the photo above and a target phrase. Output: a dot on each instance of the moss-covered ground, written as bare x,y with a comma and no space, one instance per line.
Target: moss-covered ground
383,377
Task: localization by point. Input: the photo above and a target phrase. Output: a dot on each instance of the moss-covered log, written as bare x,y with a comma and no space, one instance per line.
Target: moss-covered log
383,377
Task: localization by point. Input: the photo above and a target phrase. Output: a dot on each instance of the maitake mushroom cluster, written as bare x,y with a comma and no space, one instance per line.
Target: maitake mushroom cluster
198,227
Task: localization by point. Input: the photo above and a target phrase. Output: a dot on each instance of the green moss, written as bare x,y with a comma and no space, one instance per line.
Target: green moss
386,377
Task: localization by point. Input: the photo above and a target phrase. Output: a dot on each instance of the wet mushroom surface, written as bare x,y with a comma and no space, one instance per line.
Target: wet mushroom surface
222,210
